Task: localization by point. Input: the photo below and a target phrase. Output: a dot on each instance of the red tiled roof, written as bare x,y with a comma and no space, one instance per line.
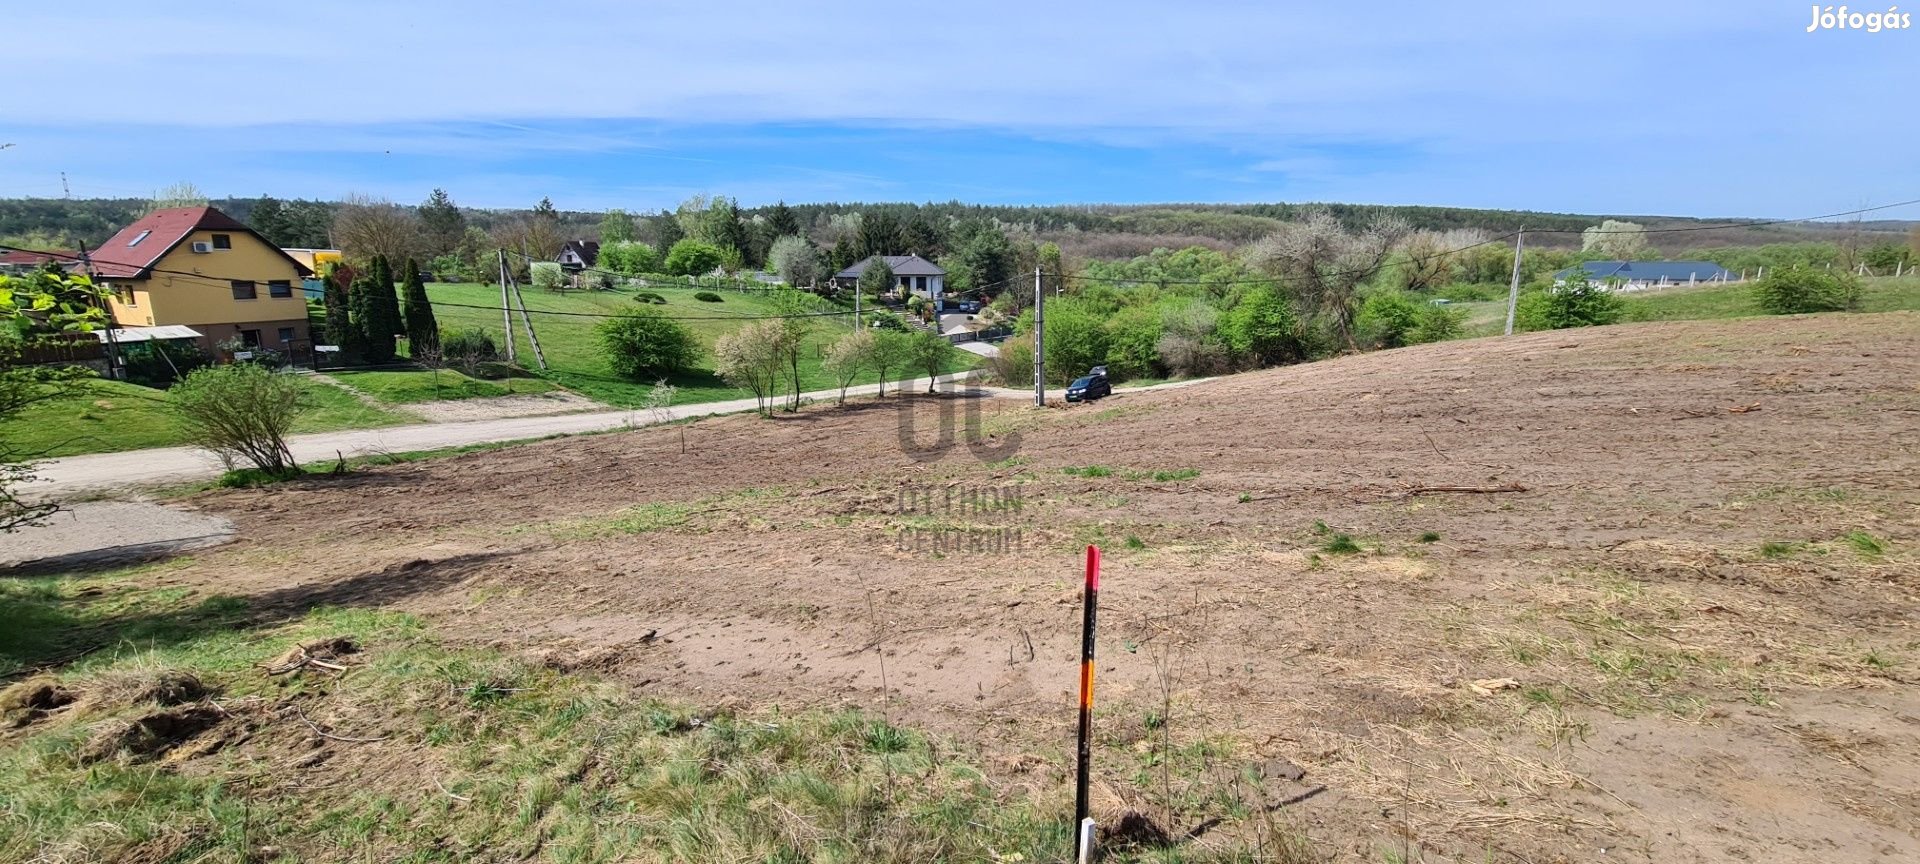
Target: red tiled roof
130,255
30,258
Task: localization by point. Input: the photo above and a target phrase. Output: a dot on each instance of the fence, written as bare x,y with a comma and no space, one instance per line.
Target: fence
62,348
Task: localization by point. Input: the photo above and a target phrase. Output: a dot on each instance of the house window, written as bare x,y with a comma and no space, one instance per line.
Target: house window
243,290
137,238
250,338
126,295
279,288
223,241
286,334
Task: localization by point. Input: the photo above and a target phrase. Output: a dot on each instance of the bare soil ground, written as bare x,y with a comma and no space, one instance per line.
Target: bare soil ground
1685,634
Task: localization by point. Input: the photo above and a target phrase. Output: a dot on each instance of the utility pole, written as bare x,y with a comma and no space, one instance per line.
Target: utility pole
1513,290
506,308
533,340
1039,342
113,343
856,305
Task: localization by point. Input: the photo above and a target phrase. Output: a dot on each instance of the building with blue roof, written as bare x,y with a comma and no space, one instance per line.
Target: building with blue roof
1640,275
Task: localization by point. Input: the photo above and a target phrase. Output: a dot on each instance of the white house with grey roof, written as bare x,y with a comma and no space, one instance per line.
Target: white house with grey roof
910,273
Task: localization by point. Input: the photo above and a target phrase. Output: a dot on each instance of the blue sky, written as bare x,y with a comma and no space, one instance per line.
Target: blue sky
1702,108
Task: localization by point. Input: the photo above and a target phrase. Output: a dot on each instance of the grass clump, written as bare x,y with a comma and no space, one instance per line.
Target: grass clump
1865,544
1134,542
1176,475
1340,544
1429,536
1087,471
1777,549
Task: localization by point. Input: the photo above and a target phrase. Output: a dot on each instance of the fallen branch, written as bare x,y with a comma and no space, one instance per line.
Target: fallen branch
1470,490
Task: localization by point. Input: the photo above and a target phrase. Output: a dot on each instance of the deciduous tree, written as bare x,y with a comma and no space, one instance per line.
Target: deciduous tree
365,227
1615,240
796,260
847,357
615,227
1325,265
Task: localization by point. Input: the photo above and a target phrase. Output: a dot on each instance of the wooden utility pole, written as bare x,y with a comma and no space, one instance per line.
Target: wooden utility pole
506,307
527,319
1513,289
1039,342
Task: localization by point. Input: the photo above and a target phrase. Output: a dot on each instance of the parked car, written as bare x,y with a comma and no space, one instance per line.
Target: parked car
970,307
1090,387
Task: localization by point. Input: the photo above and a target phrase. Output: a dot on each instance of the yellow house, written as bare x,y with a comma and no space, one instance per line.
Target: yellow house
314,259
200,267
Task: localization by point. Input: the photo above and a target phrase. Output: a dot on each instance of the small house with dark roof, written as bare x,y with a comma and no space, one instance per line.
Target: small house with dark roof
1641,275
199,267
910,273
578,255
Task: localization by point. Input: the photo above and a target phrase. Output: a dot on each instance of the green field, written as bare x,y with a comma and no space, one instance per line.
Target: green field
1879,294
577,363
403,387
114,415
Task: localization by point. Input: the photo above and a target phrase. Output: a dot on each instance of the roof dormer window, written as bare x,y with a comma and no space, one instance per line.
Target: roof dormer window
137,238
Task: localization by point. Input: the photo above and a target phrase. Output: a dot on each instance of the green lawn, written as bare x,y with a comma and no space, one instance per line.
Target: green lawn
114,415
429,385
577,363
1879,294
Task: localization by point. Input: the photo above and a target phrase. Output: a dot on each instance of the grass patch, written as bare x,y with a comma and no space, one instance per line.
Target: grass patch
1134,542
429,385
1778,549
1878,294
1173,476
1340,544
1429,536
112,416
469,754
1865,544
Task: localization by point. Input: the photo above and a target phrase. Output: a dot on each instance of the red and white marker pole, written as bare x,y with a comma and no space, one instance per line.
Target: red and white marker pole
1082,820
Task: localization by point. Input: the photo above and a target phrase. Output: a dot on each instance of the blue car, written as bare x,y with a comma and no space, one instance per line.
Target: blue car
1089,388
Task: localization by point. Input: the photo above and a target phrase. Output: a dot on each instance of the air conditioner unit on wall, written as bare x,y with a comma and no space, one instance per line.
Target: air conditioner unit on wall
203,248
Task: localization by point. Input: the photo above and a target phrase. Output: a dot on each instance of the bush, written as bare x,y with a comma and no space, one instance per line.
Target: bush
159,363
547,276
1076,340
1793,290
707,297
1387,319
1013,366
1576,303
1262,326
468,345
646,345
241,411
649,297
691,257
1438,324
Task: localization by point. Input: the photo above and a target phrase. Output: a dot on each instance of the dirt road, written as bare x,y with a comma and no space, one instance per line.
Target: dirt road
106,471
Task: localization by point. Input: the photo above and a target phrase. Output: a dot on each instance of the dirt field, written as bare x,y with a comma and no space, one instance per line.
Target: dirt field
1692,555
